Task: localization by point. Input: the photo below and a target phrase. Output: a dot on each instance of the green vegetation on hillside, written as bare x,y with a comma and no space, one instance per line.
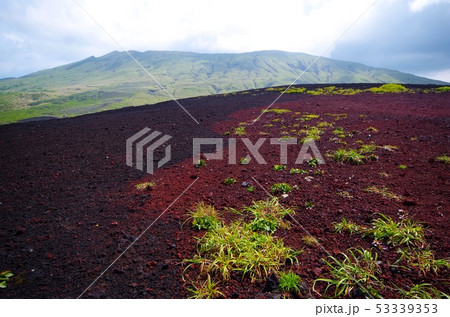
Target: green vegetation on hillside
114,81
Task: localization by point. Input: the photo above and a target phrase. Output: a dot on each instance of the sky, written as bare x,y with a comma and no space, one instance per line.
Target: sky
406,35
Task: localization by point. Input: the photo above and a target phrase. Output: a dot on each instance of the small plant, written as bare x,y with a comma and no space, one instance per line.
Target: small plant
443,89
372,129
367,148
278,168
309,205
268,215
280,188
443,159
276,110
204,217
390,148
310,240
200,163
385,230
384,174
345,225
423,260
145,186
298,171
250,189
289,282
244,161
344,194
229,181
205,290
402,167
348,156
359,269
313,162
423,291
318,172
4,278
389,88
240,130
383,191
237,248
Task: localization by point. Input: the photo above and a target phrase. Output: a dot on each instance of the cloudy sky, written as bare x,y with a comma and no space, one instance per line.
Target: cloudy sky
406,35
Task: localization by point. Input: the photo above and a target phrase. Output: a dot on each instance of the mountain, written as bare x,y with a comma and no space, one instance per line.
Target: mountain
114,80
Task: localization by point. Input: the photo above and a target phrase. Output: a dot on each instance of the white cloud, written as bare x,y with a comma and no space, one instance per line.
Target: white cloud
419,5
443,75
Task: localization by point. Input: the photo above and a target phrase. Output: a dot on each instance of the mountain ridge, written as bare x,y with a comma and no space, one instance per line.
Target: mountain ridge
114,80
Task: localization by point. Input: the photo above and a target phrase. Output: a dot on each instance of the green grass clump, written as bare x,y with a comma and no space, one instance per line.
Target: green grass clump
383,191
268,215
145,186
244,161
313,162
295,90
240,130
289,282
389,88
387,231
280,188
402,167
276,110
367,148
229,181
278,168
204,217
205,290
351,156
297,171
310,241
423,260
4,278
443,89
423,291
358,269
200,163
443,159
345,225
237,248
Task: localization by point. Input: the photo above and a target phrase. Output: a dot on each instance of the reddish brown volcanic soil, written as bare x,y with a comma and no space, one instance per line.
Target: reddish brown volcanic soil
69,205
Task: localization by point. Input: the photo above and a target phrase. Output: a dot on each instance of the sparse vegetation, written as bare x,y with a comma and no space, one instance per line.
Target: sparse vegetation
200,163
298,171
383,191
280,188
145,186
244,161
358,269
423,291
348,156
4,278
387,231
313,162
268,215
276,110
344,194
389,88
309,205
423,260
229,181
289,282
204,216
345,225
236,247
278,168
402,167
310,241
443,159
240,130
205,290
